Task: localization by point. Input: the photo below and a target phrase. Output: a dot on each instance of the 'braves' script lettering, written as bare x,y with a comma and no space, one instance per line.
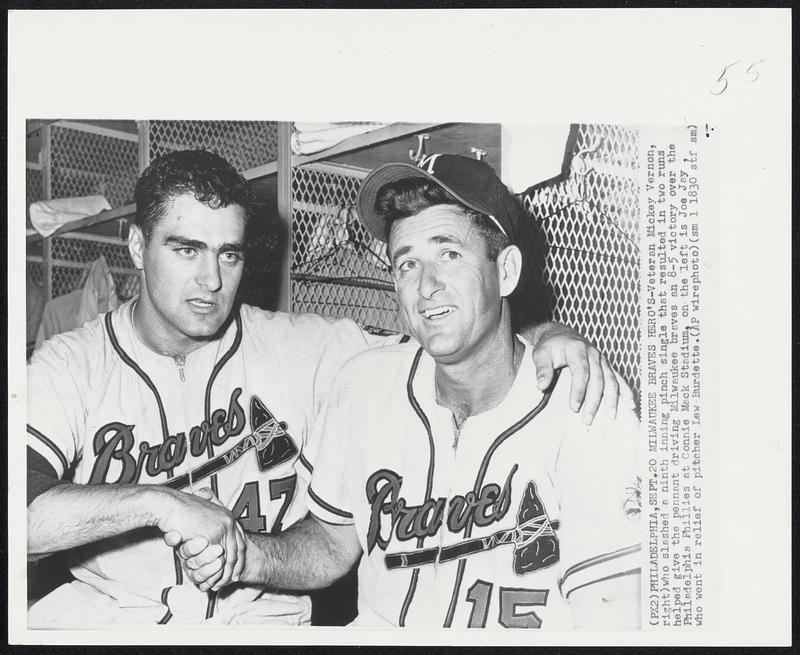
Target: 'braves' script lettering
114,441
418,521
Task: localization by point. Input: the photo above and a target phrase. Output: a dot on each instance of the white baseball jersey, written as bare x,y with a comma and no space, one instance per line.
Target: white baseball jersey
234,417
496,527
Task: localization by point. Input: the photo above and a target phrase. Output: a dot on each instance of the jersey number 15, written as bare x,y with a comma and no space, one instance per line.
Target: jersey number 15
480,594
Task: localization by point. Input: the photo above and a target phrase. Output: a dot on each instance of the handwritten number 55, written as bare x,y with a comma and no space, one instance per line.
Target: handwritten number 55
751,75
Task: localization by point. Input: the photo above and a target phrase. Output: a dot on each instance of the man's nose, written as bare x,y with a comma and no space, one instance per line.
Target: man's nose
430,281
209,276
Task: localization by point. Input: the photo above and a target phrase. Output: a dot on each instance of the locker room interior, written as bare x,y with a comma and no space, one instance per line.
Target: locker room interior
307,251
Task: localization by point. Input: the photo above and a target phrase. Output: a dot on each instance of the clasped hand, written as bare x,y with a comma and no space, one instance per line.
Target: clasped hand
207,538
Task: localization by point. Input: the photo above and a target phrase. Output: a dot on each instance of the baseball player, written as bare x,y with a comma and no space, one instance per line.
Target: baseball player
179,413
468,502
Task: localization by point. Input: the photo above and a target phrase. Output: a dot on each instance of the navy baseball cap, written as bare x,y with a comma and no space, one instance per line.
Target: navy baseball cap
472,182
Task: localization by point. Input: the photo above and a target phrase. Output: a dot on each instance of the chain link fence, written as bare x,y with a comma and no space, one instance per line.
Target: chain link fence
584,233
590,222
337,268
86,163
34,189
73,253
245,144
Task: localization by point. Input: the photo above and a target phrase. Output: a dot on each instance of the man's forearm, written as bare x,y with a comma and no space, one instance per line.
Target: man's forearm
70,515
309,555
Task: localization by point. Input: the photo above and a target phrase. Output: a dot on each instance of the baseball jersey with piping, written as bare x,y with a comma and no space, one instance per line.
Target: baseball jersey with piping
235,416
495,530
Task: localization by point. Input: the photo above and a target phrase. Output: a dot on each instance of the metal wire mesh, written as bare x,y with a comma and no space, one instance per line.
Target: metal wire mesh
337,269
84,163
262,273
72,256
33,190
245,144
35,269
590,220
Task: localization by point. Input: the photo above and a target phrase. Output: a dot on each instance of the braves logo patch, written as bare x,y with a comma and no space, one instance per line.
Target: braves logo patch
533,538
272,444
536,544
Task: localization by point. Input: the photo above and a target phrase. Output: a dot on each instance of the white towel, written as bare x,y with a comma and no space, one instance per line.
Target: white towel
324,127
531,154
308,138
48,215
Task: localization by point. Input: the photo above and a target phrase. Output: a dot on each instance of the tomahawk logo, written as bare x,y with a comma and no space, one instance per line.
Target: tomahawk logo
269,438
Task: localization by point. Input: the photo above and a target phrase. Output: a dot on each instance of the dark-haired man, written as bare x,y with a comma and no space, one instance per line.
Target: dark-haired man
469,501
177,391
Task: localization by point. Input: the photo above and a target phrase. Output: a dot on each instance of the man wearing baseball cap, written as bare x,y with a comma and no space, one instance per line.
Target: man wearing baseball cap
466,501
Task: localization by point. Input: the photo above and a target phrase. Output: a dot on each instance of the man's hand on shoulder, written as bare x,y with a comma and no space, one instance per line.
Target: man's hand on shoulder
594,382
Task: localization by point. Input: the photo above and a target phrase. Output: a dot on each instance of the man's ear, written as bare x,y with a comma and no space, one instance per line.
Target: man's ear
136,246
509,269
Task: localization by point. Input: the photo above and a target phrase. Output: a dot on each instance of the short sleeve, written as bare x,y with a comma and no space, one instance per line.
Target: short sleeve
41,476
341,340
597,476
329,455
326,345
55,407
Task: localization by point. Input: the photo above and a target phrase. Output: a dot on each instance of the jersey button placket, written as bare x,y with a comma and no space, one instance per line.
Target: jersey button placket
451,458
187,423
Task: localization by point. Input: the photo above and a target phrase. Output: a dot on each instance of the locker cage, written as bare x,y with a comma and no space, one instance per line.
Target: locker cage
309,253
245,144
588,218
590,221
338,269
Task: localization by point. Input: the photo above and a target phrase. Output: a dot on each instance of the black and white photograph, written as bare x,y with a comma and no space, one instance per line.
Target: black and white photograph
343,374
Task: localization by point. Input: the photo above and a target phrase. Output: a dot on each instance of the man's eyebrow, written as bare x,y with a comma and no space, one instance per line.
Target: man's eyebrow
236,246
183,241
402,250
446,238
202,245
436,238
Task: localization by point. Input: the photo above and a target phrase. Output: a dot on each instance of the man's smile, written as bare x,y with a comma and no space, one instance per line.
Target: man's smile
437,313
